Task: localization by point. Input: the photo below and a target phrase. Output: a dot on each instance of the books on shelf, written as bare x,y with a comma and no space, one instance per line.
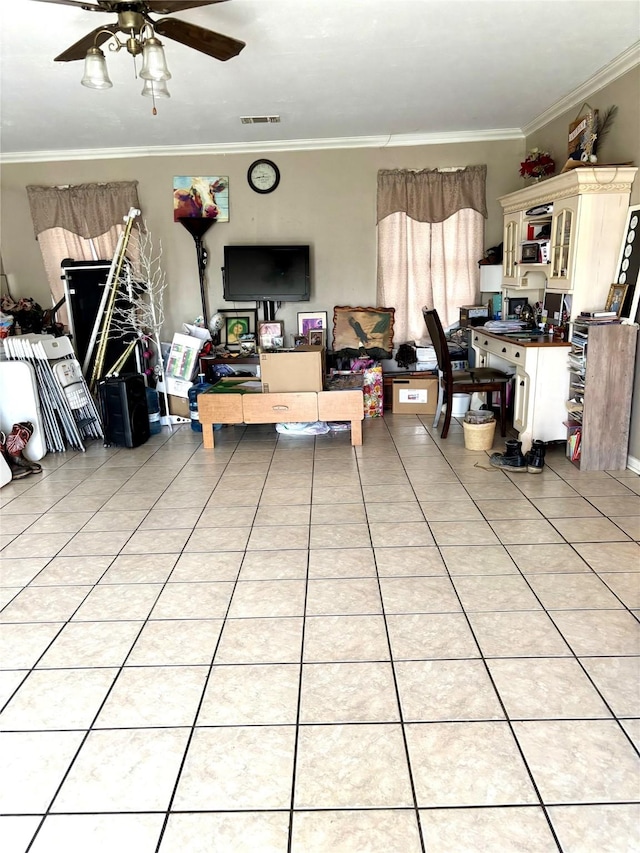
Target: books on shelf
597,320
596,314
573,445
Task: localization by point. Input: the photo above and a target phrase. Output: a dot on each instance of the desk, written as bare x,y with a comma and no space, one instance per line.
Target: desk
541,381
257,408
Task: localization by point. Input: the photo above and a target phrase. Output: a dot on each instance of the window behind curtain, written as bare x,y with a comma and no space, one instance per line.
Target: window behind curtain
430,239
79,222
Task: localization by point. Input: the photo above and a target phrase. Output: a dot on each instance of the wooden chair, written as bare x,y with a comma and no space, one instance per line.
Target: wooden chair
485,379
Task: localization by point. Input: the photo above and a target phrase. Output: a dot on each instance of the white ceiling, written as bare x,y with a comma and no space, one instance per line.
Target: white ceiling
357,70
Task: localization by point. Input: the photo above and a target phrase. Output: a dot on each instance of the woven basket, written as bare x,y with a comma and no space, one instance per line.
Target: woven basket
479,436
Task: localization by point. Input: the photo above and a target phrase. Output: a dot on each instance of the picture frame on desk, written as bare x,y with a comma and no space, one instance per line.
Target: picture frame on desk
237,322
616,298
515,304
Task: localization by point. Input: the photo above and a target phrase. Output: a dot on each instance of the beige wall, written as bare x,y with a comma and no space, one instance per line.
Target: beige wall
325,198
622,144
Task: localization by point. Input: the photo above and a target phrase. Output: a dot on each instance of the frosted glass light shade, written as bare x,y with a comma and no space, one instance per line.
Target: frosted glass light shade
154,65
96,75
155,89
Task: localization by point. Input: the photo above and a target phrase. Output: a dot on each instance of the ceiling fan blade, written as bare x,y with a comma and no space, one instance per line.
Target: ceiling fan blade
166,7
88,7
214,44
80,48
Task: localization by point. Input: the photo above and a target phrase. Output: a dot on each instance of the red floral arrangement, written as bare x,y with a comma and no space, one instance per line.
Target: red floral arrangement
537,164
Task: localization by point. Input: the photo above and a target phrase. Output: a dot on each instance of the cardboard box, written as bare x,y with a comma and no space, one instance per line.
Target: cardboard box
179,406
413,396
301,369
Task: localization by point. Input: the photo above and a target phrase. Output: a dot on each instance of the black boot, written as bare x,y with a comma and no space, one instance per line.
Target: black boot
535,457
512,459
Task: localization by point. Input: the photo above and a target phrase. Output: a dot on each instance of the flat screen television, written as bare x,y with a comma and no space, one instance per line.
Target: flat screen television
266,274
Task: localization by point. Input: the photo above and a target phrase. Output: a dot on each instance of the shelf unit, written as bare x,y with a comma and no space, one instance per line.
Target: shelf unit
585,230
601,367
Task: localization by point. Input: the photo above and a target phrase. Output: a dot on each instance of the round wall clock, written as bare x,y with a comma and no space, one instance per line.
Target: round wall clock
263,176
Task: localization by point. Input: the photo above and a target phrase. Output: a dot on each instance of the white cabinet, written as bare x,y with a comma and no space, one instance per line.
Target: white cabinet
586,225
541,382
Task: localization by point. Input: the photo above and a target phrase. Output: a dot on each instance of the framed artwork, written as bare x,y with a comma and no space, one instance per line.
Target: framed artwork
309,320
628,268
236,324
582,135
316,337
269,331
615,299
299,340
200,198
371,329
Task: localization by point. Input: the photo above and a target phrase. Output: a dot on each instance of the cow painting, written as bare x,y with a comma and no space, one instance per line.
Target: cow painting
201,198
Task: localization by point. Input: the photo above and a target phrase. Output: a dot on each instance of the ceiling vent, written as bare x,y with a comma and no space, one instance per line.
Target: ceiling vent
259,119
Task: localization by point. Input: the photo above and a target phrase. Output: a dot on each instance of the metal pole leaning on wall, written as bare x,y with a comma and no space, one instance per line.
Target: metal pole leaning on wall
105,314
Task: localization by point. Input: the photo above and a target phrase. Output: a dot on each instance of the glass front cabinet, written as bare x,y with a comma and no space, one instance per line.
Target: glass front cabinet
511,248
563,236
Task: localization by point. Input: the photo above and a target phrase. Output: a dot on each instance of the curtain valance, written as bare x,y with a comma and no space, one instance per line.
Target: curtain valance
429,195
88,210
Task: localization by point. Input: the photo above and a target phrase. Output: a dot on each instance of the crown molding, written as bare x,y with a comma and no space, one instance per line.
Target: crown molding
623,63
388,141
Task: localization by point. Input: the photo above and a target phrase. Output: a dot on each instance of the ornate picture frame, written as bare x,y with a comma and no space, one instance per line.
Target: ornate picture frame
245,319
359,328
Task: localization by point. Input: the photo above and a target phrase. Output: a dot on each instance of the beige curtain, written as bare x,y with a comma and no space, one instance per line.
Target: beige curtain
430,239
88,210
56,245
79,222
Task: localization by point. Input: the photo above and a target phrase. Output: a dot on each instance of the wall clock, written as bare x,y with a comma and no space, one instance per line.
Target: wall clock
263,176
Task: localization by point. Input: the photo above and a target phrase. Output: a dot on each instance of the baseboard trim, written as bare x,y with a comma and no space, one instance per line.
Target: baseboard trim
633,463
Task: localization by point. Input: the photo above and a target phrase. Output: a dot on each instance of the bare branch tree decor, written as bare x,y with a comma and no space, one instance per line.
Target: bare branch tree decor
139,313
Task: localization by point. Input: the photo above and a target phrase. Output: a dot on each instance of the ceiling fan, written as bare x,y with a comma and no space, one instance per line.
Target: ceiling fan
134,20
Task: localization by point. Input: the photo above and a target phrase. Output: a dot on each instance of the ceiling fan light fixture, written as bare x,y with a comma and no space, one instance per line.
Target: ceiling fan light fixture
155,89
96,75
154,64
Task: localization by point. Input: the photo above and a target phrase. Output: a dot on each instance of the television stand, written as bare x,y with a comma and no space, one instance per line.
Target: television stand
269,308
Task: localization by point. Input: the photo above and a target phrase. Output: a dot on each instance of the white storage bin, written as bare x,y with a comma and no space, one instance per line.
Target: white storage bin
460,405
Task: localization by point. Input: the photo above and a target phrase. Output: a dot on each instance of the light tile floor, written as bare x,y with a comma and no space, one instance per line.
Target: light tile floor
287,644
